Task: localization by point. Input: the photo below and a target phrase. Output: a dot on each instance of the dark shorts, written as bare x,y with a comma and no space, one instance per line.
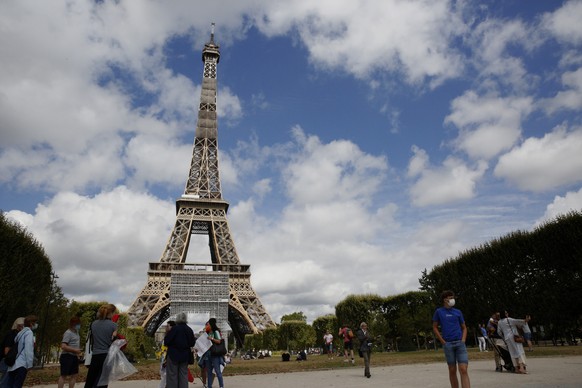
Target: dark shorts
349,345
69,364
527,336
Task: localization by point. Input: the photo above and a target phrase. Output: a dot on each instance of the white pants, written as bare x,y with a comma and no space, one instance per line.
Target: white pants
482,344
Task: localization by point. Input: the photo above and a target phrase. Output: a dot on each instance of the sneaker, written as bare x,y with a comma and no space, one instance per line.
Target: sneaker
353,361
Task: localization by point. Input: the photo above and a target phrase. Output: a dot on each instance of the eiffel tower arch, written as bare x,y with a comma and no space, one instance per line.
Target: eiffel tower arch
202,211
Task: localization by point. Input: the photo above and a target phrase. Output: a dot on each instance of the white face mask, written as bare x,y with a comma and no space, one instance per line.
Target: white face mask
34,326
451,302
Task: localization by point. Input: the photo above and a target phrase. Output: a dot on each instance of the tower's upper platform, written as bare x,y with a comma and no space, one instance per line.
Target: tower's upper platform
211,49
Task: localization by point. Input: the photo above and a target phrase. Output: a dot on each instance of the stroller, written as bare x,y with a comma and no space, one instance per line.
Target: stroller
503,355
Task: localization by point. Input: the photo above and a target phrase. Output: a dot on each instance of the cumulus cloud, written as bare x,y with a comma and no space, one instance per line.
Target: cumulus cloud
410,37
562,205
110,238
491,42
564,23
453,181
569,99
544,163
488,125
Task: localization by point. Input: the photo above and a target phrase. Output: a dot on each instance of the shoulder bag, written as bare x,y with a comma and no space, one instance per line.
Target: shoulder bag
218,349
516,337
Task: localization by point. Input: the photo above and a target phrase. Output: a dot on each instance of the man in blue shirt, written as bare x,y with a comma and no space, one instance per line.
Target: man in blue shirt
454,334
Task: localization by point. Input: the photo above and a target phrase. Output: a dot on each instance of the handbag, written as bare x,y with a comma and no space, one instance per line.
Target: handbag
218,349
516,337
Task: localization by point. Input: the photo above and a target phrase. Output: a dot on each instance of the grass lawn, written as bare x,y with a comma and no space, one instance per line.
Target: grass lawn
149,370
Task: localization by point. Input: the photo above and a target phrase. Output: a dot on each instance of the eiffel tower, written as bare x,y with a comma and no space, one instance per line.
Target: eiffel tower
201,210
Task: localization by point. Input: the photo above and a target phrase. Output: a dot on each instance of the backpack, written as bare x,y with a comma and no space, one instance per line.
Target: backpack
12,355
350,334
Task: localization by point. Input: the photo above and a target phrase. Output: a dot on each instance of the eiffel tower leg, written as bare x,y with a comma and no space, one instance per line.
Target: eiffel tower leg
151,307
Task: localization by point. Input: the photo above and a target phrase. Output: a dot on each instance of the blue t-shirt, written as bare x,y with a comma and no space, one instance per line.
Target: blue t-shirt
450,321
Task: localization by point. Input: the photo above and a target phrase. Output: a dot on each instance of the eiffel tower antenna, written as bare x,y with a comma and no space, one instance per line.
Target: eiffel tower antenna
201,210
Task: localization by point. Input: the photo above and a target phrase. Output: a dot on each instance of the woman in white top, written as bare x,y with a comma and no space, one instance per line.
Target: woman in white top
507,329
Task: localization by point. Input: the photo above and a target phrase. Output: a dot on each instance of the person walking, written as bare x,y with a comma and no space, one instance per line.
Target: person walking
179,340
25,357
454,334
214,362
164,356
482,338
69,359
365,347
328,340
103,331
348,336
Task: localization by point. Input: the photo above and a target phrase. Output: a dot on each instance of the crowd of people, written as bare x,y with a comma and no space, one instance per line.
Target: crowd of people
505,335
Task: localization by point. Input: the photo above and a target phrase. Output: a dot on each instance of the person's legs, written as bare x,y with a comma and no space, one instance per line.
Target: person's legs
183,374
216,365
366,355
463,371
209,374
94,373
73,380
171,374
453,376
18,376
462,359
162,377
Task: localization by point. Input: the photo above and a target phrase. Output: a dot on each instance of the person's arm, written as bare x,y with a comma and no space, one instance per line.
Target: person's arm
437,333
29,350
66,348
214,339
464,327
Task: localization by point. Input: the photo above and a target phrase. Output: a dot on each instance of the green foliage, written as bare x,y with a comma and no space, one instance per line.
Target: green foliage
297,316
355,309
254,341
25,274
270,338
296,335
325,323
537,273
139,344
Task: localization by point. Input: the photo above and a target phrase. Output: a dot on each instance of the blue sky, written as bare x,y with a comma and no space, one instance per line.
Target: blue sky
361,141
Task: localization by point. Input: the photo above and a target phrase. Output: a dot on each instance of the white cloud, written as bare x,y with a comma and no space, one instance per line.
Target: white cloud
540,164
564,23
452,182
571,98
418,162
336,171
412,37
488,124
100,245
562,205
491,43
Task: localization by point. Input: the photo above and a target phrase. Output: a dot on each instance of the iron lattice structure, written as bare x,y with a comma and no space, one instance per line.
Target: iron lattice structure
201,210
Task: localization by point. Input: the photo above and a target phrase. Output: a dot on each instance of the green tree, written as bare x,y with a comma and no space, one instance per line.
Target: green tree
296,335
326,323
26,278
297,316
271,338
